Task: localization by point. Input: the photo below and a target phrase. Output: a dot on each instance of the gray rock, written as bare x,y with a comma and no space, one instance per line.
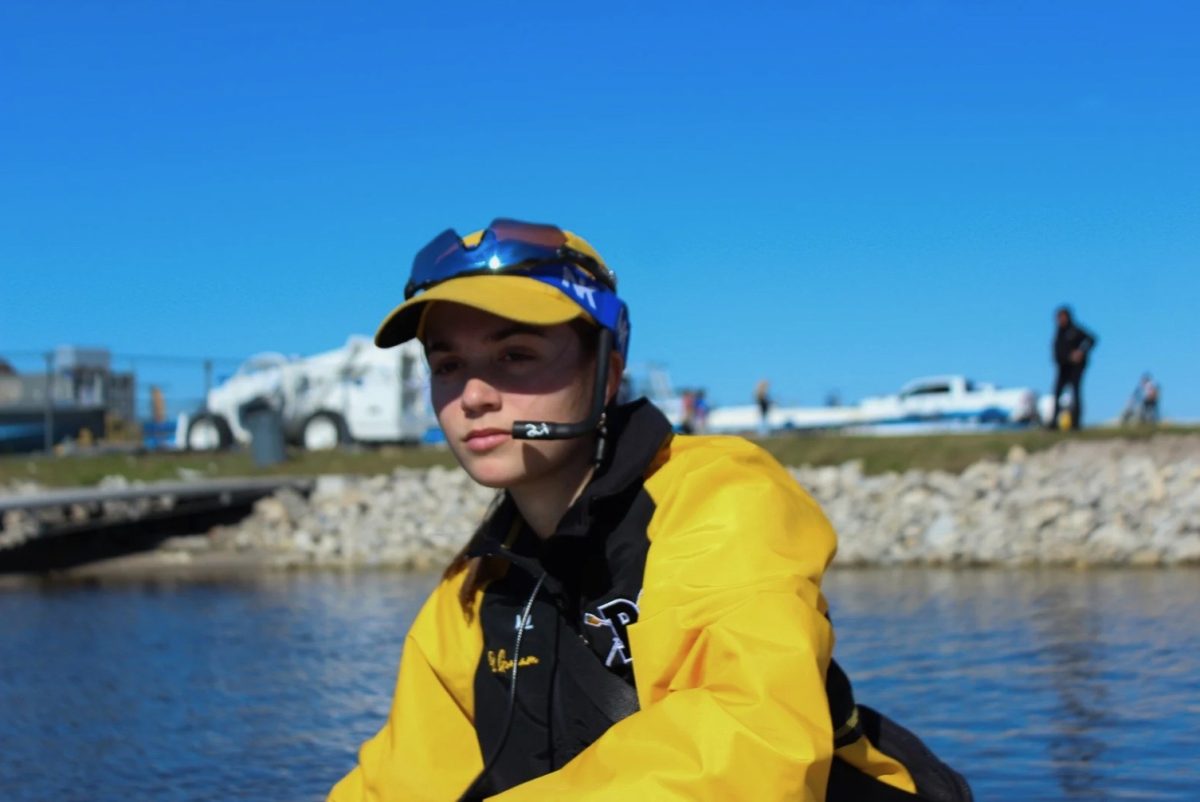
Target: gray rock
1112,502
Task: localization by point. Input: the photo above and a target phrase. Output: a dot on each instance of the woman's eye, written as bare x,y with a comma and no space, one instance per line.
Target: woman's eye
517,356
443,367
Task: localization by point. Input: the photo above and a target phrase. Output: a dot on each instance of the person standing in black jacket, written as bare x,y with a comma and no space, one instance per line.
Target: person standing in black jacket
1072,346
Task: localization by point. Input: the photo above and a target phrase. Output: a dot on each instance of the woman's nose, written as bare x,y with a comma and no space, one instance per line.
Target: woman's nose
478,396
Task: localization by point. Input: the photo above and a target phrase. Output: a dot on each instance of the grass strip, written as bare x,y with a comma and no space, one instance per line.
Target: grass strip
879,454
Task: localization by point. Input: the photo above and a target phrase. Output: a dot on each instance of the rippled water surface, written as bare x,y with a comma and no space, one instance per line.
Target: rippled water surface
1036,684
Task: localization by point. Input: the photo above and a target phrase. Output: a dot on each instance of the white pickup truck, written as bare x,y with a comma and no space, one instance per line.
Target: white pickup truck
949,401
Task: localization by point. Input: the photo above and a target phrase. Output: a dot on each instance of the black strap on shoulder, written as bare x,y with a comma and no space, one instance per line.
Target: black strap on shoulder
935,781
598,698
842,710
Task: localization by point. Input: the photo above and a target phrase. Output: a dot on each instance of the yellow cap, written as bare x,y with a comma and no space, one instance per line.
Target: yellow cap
514,297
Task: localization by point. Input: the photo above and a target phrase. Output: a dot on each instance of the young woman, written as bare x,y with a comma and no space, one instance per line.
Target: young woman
640,615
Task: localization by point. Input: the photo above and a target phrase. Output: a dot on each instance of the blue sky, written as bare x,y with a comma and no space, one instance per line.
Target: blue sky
830,196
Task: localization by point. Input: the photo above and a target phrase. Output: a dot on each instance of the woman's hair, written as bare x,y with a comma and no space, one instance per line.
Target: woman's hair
481,570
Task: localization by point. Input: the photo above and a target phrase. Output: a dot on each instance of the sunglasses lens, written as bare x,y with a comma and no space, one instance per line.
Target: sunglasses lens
435,262
539,236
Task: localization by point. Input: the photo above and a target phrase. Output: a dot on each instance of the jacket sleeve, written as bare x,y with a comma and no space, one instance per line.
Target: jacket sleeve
427,750
1087,341
731,649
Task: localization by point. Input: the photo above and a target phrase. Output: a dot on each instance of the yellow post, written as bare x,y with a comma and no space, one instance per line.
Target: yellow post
158,404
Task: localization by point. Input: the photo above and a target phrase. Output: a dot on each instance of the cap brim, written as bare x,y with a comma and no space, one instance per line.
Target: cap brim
514,297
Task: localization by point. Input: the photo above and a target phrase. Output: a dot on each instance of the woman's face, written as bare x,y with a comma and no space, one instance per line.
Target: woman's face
489,371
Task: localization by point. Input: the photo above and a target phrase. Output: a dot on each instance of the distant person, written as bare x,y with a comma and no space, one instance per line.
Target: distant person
1072,346
1148,395
687,425
700,412
762,397
1142,407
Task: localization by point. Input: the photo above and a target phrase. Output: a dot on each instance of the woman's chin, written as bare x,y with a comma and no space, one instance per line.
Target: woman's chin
495,484
492,473
516,464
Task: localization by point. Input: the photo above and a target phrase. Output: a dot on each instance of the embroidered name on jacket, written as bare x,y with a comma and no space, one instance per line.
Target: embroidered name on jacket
614,618
499,662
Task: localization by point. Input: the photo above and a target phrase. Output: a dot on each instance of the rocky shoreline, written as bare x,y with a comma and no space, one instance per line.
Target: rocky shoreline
1113,502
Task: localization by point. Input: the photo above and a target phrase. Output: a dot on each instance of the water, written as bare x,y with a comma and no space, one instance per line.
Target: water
1036,684
1051,684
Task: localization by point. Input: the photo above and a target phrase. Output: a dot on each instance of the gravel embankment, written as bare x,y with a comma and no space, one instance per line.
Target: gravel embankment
1112,502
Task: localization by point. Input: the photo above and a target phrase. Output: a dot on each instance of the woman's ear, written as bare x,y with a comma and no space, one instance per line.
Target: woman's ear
616,369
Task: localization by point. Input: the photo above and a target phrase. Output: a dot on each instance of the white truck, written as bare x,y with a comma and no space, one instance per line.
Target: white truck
951,401
354,394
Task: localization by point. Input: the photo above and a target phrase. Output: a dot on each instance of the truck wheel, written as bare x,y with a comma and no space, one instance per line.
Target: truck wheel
323,431
207,432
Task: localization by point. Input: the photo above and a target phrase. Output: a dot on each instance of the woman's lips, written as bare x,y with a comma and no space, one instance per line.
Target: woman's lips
486,439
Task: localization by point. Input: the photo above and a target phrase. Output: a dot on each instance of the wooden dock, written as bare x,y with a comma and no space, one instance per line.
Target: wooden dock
225,491
67,527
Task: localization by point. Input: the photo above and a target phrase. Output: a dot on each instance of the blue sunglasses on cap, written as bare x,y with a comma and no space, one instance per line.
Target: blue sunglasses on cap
506,246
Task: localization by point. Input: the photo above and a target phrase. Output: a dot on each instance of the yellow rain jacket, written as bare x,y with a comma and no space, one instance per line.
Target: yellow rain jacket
677,647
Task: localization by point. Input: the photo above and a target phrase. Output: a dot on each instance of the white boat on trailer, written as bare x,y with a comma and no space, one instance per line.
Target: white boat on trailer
932,404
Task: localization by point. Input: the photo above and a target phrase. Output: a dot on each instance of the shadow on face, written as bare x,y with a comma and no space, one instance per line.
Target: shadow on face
463,343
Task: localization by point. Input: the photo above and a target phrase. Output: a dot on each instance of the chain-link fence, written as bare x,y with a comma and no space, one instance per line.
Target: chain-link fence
82,396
